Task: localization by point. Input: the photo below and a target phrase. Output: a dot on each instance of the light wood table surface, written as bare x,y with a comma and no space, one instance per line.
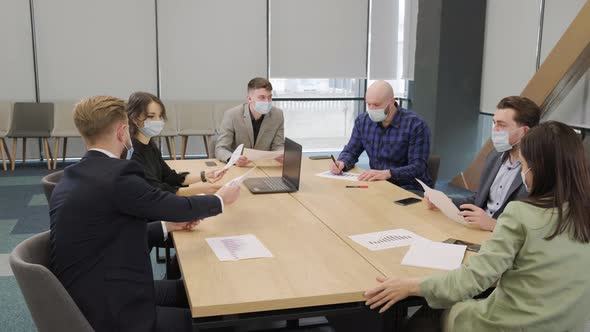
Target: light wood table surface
351,211
310,266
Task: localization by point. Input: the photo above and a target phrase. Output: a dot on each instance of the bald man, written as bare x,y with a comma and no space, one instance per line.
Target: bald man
397,142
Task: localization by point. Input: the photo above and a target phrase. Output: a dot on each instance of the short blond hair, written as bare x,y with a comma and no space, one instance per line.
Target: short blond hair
95,116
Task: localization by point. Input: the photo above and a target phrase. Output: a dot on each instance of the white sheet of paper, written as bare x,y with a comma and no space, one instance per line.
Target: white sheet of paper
232,160
238,180
443,203
435,255
386,239
254,155
344,176
233,248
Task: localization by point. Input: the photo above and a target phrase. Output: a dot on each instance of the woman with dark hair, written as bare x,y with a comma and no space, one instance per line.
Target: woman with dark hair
147,116
538,253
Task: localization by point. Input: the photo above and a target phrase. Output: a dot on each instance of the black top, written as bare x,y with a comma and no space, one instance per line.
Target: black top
157,172
100,233
256,125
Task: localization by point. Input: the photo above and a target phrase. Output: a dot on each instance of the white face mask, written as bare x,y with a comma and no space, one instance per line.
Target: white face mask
377,115
152,128
501,140
263,107
523,176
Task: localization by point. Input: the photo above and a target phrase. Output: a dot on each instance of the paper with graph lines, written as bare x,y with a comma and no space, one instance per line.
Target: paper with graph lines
233,248
344,176
386,239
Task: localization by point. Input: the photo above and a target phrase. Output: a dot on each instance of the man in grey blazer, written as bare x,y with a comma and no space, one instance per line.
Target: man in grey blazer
256,124
501,179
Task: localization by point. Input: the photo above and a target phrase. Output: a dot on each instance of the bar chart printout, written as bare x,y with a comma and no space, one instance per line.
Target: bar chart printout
386,239
233,248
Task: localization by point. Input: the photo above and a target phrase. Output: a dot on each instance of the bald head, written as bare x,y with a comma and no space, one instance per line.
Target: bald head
379,95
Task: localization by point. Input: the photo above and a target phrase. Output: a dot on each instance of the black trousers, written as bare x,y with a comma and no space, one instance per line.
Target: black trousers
172,309
366,321
426,319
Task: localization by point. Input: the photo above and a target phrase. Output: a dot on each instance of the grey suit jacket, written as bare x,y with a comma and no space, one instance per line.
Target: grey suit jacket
236,128
490,170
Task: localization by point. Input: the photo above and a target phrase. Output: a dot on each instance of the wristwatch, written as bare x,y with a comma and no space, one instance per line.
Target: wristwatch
203,177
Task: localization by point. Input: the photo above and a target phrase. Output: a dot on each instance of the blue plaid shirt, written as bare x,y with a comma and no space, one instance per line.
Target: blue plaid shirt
402,147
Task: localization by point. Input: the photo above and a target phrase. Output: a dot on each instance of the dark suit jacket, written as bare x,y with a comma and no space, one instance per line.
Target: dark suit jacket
99,213
491,167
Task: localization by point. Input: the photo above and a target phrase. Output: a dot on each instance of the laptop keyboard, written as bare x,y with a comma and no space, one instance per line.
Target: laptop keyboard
275,183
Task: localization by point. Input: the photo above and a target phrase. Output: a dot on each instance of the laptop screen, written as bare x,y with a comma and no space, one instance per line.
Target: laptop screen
292,163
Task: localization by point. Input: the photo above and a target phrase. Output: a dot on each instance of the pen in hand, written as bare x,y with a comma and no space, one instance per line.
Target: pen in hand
336,164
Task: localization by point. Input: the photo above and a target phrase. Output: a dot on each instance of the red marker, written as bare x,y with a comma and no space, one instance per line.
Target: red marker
364,187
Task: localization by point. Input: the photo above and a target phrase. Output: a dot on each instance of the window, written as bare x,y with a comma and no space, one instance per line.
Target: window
317,88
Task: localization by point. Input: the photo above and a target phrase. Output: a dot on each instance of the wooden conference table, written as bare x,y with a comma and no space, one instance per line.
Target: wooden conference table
315,269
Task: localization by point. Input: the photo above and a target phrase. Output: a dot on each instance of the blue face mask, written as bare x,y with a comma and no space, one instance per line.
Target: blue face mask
501,140
263,107
129,149
152,128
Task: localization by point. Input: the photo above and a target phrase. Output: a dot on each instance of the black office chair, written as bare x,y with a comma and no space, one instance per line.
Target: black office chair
433,165
49,181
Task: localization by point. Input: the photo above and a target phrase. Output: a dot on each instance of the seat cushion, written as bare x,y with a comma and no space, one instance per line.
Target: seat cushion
65,133
29,134
196,132
32,120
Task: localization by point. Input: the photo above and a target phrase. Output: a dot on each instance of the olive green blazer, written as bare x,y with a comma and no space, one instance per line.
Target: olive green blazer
542,285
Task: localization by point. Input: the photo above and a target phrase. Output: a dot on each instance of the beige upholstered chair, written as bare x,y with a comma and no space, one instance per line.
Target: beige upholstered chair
194,119
170,130
64,127
219,109
5,119
31,120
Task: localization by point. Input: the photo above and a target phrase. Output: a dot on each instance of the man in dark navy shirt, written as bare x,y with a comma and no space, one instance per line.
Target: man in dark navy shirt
397,142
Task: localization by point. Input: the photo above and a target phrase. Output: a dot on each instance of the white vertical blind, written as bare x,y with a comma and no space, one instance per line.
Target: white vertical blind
384,40
509,49
89,47
409,42
210,49
318,38
393,39
17,81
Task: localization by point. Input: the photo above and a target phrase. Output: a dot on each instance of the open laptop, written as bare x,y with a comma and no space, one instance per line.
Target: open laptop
289,182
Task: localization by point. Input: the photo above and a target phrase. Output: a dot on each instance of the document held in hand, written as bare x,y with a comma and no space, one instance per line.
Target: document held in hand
234,157
238,181
254,155
443,203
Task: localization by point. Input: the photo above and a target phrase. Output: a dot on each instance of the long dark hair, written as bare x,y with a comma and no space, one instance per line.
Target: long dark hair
137,109
555,155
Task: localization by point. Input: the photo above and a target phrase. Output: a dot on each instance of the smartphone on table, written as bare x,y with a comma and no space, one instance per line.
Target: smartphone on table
407,201
470,246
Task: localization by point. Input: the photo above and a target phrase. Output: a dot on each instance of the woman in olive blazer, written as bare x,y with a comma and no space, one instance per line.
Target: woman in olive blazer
538,253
